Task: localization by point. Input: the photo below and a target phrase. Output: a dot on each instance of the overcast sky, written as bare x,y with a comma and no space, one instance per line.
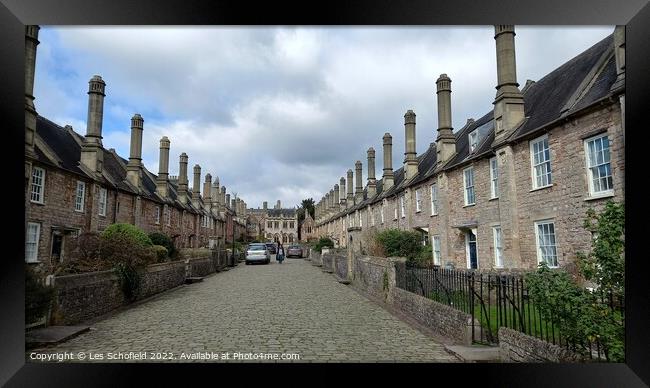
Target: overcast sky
282,113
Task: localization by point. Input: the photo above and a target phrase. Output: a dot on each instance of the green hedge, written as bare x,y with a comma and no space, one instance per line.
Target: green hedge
324,242
127,230
402,243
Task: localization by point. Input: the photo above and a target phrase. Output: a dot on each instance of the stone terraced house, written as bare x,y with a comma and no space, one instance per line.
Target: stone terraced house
75,185
510,189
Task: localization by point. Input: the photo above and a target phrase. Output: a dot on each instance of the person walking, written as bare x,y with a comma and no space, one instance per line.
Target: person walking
280,253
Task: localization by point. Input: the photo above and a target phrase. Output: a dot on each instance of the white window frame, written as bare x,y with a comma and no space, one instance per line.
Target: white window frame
435,247
382,211
590,172
418,201
494,178
396,205
434,199
360,214
473,141
497,240
34,258
103,197
401,206
533,165
157,218
372,216
79,202
40,187
540,256
467,187
168,215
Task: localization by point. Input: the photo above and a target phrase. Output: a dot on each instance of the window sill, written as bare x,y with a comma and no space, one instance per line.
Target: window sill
433,215
542,188
608,194
418,211
493,199
37,203
469,205
79,211
33,262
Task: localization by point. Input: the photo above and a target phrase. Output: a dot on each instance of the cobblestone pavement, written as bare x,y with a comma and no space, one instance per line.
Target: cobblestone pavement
292,307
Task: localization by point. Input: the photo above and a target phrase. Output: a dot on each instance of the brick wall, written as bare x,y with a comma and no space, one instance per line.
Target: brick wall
81,297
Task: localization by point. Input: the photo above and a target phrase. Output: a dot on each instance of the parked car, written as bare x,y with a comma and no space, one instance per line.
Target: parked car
294,250
272,248
257,253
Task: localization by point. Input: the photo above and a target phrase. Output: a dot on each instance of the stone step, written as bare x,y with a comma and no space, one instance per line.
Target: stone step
475,353
52,335
193,280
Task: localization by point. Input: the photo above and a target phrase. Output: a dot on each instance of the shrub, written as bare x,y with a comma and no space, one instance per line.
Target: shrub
402,243
85,247
124,248
158,238
324,242
161,253
38,297
136,234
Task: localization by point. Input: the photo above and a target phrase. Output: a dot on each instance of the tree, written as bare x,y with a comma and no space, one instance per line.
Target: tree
306,204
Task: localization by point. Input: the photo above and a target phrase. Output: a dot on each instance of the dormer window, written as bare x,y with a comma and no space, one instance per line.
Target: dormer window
473,141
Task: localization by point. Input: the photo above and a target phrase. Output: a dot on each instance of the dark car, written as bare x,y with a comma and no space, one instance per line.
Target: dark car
272,248
294,251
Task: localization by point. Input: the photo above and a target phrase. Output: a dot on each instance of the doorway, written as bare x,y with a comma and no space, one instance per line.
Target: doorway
470,248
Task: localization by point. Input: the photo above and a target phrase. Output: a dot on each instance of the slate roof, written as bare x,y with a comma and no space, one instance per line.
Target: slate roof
66,145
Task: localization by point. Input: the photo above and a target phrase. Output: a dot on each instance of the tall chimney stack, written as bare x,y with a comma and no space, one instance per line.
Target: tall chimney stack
350,196
196,186
182,179
215,193
410,156
372,182
358,193
265,205
509,102
388,177
279,204
336,204
342,202
92,156
619,54
31,41
228,204
222,202
163,168
207,198
134,167
446,141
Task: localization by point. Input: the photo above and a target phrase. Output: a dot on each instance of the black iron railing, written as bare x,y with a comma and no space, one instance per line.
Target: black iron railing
494,301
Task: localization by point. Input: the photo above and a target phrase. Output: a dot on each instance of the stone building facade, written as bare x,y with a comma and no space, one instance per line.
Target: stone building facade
307,230
74,185
510,189
277,224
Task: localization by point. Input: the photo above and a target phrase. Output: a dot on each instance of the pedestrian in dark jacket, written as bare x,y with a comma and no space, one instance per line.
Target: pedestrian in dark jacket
280,253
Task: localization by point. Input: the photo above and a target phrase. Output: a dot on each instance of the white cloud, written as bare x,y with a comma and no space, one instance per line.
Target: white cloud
281,113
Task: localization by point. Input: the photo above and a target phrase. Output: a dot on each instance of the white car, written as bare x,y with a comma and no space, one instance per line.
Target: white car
257,253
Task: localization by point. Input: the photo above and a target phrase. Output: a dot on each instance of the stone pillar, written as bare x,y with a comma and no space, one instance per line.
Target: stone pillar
342,202
92,155
410,155
182,179
509,102
163,168
134,167
228,203
388,177
31,41
372,182
350,195
446,141
196,186
358,192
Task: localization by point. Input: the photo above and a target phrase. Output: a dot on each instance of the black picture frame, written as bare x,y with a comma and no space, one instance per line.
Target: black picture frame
635,14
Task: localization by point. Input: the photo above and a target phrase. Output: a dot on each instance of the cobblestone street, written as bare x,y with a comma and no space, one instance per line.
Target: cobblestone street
292,307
